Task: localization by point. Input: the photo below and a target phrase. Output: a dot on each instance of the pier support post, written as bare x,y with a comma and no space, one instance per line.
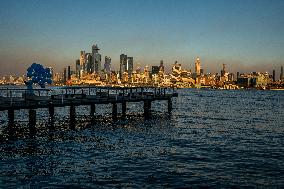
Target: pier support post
93,109
170,105
11,116
72,116
114,111
51,112
123,110
32,120
147,107
51,116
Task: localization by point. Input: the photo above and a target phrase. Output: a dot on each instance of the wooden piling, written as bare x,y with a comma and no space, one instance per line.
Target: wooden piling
114,111
93,110
11,116
72,113
32,121
72,117
123,110
170,105
51,112
32,117
147,107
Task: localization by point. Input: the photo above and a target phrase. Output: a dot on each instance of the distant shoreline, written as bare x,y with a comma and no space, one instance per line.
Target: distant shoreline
200,87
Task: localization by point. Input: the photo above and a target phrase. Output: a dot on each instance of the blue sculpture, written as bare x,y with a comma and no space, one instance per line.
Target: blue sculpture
38,74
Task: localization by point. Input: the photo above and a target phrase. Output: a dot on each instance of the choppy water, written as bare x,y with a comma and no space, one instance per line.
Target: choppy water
215,138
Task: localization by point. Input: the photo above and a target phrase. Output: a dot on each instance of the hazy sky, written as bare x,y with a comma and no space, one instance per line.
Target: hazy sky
247,35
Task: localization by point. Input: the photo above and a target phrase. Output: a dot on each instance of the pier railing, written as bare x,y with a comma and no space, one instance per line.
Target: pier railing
14,99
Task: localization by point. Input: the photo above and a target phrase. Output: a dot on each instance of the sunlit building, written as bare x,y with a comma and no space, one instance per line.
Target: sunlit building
197,66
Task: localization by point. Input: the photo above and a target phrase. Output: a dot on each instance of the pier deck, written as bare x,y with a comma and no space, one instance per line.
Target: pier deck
15,99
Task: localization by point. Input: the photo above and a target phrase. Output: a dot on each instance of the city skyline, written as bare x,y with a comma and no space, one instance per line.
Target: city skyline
247,35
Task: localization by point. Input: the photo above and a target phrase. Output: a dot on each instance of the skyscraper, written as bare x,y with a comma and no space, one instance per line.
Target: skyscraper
69,73
223,71
78,68
89,66
197,66
273,75
123,64
82,62
161,67
96,59
281,73
107,65
64,76
129,66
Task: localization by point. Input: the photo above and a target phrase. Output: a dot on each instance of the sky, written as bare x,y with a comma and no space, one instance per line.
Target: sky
246,35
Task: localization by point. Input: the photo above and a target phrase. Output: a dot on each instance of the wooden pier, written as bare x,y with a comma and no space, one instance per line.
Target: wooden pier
16,99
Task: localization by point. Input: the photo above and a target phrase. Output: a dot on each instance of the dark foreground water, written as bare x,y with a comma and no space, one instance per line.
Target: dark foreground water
214,138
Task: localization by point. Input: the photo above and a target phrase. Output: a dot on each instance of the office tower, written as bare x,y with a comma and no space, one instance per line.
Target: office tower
82,62
197,66
161,67
69,73
201,71
107,65
89,66
223,71
281,73
238,75
82,58
129,66
96,59
122,65
273,75
78,68
64,76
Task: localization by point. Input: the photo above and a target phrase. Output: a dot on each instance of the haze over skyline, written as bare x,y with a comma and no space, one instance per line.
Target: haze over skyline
246,35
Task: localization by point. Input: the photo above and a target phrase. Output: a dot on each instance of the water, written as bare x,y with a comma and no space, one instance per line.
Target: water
215,138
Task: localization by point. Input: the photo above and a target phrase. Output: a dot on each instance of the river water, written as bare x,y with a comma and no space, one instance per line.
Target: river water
212,138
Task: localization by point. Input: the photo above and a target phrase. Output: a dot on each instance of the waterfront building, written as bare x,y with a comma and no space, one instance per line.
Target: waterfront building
244,81
96,59
255,79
